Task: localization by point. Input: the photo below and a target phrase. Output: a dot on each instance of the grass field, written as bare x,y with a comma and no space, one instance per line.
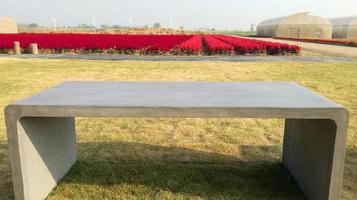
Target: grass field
179,158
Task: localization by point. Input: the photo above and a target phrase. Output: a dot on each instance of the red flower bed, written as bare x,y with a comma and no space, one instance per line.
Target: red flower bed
274,48
94,41
244,46
192,45
333,42
145,44
216,46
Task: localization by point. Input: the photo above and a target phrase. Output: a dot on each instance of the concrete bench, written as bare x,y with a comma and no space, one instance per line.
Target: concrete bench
42,141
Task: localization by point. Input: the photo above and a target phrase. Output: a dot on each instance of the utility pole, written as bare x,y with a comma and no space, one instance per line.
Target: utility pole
54,23
252,28
171,23
131,22
94,24
211,22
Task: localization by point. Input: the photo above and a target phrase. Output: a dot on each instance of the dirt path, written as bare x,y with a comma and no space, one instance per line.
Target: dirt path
322,49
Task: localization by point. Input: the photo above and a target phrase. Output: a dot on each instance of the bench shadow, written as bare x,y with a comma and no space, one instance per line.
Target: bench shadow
256,174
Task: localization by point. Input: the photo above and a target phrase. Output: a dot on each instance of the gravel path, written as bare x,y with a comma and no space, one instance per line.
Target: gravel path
188,58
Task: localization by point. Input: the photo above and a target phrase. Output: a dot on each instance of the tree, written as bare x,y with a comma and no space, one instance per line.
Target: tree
157,25
33,25
182,28
85,26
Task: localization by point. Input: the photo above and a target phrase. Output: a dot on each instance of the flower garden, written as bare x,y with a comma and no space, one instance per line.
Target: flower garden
146,44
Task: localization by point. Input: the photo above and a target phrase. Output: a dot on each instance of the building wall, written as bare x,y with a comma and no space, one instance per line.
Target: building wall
7,25
345,32
299,25
352,32
339,32
296,31
305,31
270,31
345,28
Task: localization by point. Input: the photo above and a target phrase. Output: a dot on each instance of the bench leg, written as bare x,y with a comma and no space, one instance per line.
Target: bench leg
309,153
44,153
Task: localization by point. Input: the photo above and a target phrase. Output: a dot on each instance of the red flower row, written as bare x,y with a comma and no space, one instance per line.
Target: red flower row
216,46
250,46
242,46
192,45
220,44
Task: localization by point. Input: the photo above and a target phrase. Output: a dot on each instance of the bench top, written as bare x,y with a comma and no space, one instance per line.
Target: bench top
179,95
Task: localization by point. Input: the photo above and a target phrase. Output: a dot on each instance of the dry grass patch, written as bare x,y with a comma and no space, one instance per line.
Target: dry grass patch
178,158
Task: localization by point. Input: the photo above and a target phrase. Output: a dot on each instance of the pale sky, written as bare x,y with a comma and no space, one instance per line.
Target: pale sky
221,14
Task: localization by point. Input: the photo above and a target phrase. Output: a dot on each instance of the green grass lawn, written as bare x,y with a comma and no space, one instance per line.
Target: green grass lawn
179,158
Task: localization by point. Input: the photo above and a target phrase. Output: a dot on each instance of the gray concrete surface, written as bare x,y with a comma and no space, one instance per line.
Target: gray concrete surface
187,58
48,151
41,134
